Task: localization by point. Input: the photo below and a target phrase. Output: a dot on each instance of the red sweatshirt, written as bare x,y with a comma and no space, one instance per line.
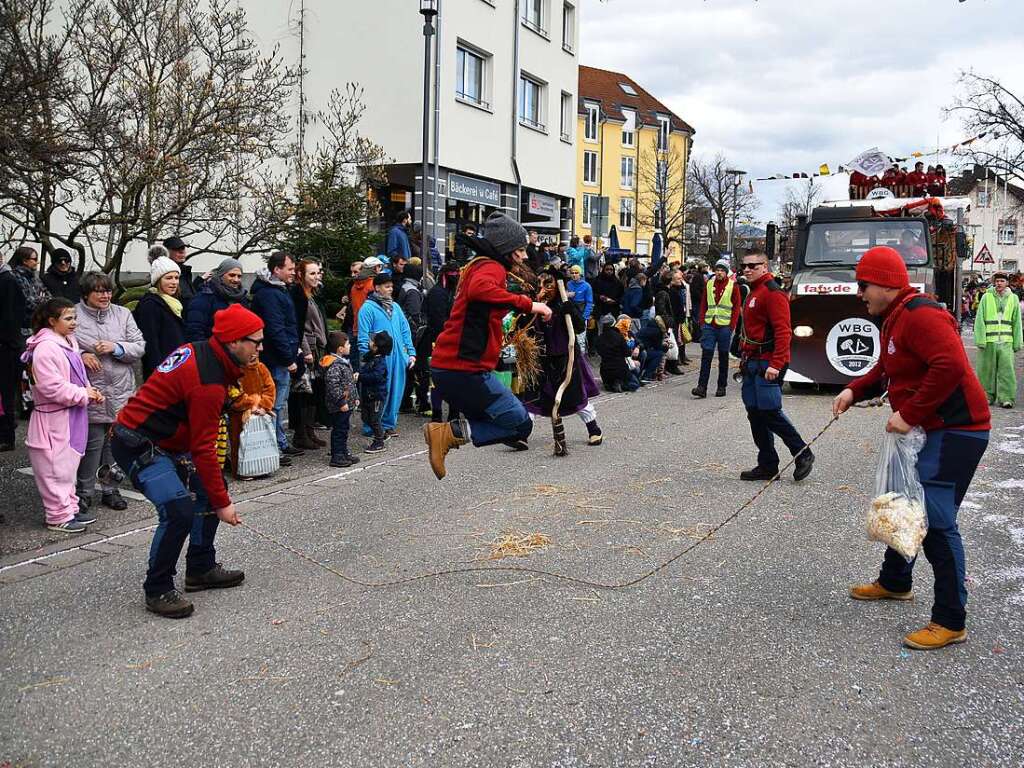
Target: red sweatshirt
766,316
931,382
737,300
179,409
471,338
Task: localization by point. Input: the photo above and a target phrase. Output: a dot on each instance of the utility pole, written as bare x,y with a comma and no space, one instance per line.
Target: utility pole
736,177
300,158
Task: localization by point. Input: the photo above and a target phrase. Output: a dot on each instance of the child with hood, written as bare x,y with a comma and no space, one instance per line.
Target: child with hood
59,428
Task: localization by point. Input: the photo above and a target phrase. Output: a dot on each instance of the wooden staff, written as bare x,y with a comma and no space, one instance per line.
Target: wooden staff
557,428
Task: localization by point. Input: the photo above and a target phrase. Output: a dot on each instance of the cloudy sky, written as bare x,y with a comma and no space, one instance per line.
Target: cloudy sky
785,85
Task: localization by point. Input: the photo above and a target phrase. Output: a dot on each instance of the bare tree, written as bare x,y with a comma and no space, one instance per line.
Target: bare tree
800,201
987,106
167,117
663,196
715,188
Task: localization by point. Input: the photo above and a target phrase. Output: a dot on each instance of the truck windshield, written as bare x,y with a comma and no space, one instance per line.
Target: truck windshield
844,242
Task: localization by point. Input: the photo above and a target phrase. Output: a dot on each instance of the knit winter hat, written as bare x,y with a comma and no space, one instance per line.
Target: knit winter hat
1000,276
723,264
226,266
504,234
234,323
883,266
161,267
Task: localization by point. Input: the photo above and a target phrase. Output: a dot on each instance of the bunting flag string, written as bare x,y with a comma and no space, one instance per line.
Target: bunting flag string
872,158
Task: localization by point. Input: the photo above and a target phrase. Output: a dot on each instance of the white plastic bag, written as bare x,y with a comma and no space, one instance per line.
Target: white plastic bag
258,453
898,517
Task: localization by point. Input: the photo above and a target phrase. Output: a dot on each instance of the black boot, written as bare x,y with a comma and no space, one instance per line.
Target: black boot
804,462
594,432
758,473
699,391
720,392
170,605
217,577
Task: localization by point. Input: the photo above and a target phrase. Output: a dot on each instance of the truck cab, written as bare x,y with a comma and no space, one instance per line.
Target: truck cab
834,339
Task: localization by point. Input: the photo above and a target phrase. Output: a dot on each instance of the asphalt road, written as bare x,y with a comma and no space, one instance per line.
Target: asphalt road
746,652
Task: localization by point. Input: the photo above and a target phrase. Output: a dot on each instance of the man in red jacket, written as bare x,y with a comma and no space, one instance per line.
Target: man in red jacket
165,439
932,385
764,357
466,352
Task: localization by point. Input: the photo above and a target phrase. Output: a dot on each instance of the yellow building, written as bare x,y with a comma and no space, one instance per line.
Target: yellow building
632,154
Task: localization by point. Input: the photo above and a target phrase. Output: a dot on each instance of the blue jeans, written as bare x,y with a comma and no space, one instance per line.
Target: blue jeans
763,400
946,466
495,415
339,434
711,338
283,382
652,363
182,512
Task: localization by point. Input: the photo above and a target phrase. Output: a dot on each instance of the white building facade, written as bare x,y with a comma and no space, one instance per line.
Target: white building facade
993,221
506,108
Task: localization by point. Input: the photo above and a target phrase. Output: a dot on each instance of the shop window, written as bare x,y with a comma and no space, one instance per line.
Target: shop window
590,126
589,167
626,209
627,175
471,66
531,102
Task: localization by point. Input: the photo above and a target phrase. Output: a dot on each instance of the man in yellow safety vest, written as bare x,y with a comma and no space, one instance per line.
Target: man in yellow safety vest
719,312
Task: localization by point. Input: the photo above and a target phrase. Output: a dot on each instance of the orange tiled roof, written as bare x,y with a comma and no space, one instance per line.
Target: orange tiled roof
604,86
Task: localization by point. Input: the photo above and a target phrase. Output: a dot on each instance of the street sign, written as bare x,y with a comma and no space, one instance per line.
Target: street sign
984,256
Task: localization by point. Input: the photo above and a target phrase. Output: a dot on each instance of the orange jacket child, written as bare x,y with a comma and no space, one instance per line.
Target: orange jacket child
254,390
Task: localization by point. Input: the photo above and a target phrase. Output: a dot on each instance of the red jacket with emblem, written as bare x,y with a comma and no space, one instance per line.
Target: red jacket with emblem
931,382
471,339
766,319
179,409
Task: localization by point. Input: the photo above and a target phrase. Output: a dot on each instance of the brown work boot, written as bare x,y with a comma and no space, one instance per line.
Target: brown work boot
440,439
933,636
875,591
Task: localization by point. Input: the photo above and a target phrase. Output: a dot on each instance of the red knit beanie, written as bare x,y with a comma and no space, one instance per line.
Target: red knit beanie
235,322
883,266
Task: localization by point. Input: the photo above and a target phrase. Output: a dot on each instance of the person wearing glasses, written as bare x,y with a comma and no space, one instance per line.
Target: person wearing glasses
764,357
931,385
111,344
168,431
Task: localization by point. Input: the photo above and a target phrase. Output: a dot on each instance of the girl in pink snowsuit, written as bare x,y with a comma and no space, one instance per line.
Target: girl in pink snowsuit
59,427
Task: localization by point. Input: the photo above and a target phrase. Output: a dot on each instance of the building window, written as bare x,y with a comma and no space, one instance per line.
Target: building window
590,126
589,167
567,117
626,206
628,89
629,128
1007,232
664,126
588,206
627,169
533,15
643,247
470,80
661,180
531,102
657,216
983,198
568,27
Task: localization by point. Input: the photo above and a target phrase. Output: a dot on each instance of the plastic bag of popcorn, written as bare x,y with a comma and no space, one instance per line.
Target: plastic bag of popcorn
898,517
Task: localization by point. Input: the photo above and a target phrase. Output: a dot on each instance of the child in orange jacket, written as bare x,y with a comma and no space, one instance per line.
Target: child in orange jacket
253,394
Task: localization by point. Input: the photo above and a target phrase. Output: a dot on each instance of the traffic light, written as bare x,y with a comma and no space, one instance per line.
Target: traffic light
769,240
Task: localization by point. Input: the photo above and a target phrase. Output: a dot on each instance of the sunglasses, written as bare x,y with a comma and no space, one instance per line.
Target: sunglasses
257,342
862,286
752,264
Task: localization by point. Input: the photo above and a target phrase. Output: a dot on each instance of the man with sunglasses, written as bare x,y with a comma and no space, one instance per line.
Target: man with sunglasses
165,440
764,357
931,384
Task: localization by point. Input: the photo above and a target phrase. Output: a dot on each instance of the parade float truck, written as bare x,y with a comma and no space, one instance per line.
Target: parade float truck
834,339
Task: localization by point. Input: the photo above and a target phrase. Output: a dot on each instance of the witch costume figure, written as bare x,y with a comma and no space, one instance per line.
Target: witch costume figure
551,338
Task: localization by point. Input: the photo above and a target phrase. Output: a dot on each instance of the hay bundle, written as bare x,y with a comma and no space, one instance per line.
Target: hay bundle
527,358
517,544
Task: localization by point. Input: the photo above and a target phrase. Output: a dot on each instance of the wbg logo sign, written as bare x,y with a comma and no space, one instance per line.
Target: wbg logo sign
852,346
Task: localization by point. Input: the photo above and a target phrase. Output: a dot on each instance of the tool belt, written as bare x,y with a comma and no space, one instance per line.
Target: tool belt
146,451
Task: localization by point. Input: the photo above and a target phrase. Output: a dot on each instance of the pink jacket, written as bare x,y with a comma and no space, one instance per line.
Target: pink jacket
59,392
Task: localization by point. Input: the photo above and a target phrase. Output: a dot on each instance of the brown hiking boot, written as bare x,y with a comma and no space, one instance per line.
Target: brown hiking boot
875,591
933,636
440,439
170,605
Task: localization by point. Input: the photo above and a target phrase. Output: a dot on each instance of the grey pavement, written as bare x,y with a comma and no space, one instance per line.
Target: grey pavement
746,652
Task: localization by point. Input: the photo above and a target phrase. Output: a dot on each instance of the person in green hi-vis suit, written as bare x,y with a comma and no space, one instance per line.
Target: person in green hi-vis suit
997,333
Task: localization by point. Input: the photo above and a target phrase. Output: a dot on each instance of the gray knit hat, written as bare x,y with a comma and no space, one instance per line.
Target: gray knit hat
504,233
227,265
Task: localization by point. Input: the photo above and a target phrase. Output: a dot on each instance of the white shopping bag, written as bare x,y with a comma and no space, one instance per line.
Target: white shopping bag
258,453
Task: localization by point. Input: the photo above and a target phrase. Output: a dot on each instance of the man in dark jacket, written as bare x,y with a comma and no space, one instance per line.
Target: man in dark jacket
176,249
437,309
60,278
223,289
165,440
273,304
12,344
607,292
411,300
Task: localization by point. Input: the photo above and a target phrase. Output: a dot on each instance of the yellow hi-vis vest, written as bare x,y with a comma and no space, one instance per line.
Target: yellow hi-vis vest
719,313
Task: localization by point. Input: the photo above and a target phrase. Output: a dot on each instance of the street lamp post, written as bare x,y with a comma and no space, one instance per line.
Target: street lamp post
736,178
429,10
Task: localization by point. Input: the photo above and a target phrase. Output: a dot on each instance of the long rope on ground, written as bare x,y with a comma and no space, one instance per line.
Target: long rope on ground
537,571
